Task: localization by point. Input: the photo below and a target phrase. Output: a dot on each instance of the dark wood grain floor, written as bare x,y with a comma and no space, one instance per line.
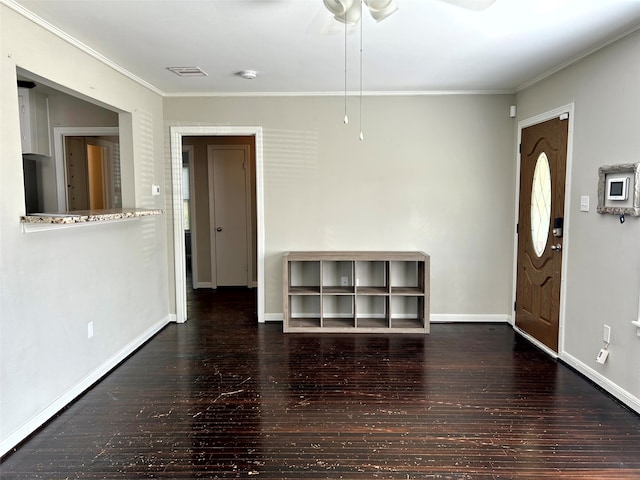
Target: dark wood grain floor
221,397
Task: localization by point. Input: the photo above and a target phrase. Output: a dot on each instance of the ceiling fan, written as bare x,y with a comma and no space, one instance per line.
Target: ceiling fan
350,11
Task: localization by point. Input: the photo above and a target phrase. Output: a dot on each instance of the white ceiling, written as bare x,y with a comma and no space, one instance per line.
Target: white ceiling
296,46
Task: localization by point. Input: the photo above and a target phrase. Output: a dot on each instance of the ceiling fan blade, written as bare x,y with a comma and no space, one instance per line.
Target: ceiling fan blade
477,5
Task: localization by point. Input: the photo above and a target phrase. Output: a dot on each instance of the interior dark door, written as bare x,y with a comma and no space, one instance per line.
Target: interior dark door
540,223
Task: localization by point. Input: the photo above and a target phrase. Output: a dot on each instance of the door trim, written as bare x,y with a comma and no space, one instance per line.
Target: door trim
59,154
176,134
189,150
566,234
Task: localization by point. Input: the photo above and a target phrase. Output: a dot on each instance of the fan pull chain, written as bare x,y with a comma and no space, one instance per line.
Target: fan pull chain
361,22
346,117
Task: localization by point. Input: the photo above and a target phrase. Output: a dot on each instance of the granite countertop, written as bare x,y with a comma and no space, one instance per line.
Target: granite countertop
86,216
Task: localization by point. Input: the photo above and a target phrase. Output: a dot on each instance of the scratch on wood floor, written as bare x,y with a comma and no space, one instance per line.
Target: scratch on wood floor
226,394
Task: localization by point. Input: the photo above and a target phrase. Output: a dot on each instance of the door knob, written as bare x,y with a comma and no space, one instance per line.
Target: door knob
219,229
557,247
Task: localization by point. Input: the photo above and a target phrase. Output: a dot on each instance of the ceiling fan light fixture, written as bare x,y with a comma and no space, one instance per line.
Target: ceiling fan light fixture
378,4
338,7
379,15
352,15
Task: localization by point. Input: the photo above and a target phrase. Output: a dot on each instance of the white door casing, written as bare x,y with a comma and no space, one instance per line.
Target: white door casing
176,134
189,151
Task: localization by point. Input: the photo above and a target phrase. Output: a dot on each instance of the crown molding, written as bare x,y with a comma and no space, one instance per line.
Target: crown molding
28,14
576,59
416,93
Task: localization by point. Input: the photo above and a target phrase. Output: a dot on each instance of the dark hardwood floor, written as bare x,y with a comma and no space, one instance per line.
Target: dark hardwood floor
223,397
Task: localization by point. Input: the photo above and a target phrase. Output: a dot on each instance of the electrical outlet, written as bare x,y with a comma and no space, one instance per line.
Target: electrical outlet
602,356
155,189
344,281
89,329
607,334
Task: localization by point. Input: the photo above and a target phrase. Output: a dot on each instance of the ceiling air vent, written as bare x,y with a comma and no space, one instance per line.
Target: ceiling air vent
188,71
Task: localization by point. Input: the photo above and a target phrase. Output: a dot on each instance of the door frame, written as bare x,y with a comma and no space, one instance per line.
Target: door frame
248,209
189,150
59,133
180,281
566,233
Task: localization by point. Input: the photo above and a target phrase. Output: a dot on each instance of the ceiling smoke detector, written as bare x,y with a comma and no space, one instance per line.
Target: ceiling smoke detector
188,71
248,74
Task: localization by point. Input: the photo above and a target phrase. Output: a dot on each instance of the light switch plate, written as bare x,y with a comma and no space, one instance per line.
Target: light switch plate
155,189
584,203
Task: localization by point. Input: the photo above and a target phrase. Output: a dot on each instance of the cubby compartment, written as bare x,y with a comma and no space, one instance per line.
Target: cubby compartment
407,277
363,292
338,311
304,276
337,276
372,276
407,311
372,311
305,310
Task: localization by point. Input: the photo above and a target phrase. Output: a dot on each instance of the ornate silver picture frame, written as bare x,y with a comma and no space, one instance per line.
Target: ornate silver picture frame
631,207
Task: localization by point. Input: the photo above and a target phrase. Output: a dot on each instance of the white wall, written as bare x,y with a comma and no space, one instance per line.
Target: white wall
53,283
434,173
603,274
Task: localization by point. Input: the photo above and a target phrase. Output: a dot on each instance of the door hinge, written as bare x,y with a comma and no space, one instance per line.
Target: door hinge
514,306
520,148
517,228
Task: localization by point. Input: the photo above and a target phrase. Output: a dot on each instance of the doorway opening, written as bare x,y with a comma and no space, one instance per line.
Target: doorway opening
88,170
182,138
92,168
219,210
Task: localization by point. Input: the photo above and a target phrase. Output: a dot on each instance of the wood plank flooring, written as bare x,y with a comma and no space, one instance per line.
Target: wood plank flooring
223,397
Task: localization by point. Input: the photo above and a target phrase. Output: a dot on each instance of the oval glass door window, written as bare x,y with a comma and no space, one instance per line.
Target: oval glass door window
541,204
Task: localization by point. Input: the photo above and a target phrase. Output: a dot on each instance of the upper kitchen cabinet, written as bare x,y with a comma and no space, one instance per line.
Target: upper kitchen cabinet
34,122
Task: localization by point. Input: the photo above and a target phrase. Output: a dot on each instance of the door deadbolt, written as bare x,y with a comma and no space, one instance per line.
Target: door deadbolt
556,248
219,229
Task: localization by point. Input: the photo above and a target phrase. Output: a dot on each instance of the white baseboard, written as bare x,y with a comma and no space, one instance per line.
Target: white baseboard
204,285
50,411
173,318
621,394
455,318
435,318
273,317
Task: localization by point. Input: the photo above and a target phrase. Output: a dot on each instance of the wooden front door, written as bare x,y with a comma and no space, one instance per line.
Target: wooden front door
541,213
